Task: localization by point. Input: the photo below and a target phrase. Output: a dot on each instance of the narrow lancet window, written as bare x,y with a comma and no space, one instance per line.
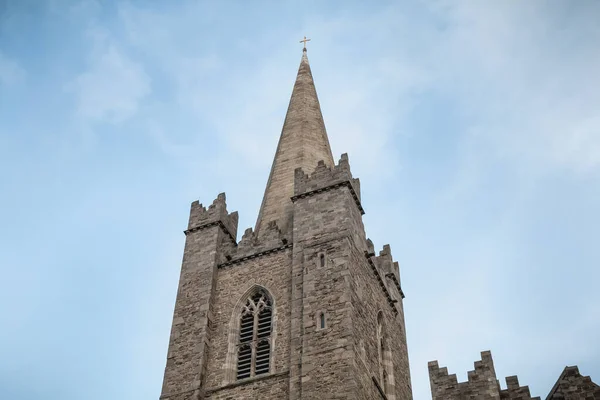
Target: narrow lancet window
322,260
254,347
381,351
322,321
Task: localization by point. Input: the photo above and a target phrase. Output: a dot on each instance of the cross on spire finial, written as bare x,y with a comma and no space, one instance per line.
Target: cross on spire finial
304,41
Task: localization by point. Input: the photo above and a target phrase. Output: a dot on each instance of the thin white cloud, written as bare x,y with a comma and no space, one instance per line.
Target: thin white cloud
11,72
112,87
526,76
522,97
522,78
170,42
247,106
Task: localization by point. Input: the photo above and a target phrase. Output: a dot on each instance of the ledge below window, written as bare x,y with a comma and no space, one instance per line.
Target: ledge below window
248,381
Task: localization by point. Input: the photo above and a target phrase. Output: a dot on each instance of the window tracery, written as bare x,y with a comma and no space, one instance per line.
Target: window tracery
254,346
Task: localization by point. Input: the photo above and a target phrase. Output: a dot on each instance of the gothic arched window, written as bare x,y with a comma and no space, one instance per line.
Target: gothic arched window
254,346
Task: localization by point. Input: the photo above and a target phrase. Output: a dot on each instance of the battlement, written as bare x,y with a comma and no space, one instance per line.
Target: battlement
387,267
251,245
484,368
324,177
481,383
515,391
215,214
440,375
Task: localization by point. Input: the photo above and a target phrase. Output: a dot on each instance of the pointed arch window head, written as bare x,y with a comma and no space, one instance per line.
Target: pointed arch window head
254,345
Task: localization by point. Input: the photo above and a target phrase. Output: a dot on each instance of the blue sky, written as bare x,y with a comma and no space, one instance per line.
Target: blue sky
473,126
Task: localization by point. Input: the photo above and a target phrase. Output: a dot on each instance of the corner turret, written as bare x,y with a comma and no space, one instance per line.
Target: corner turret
216,214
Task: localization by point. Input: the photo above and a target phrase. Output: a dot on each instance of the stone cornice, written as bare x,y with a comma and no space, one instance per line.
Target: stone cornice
169,395
248,381
347,184
255,255
219,223
393,277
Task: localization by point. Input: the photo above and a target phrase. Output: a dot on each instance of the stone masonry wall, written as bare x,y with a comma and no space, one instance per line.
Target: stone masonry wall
209,230
368,300
328,221
386,276
481,384
326,353
514,391
573,386
322,222
330,204
270,387
325,265
272,272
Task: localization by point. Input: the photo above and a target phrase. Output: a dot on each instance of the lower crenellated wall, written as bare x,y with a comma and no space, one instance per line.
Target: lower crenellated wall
514,391
482,383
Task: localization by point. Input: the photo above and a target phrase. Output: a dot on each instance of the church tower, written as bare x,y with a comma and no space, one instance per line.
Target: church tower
301,307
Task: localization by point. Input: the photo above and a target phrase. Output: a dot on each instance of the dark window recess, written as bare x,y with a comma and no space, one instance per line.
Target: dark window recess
263,353
254,347
322,260
322,320
244,361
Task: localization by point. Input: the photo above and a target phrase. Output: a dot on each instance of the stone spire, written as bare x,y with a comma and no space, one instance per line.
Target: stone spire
302,144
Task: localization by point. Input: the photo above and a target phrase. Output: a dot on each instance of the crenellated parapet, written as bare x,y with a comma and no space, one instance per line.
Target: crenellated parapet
388,279
484,369
248,240
325,178
442,384
481,383
514,391
389,268
271,239
215,215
